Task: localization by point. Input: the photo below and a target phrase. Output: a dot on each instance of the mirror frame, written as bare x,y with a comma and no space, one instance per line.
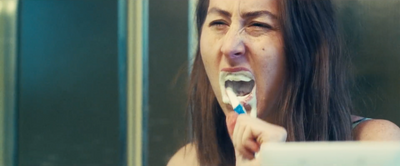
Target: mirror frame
133,80
8,81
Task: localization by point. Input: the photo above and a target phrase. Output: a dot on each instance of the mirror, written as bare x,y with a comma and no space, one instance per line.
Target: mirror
64,86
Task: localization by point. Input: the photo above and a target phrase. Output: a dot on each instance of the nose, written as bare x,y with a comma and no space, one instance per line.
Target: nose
233,47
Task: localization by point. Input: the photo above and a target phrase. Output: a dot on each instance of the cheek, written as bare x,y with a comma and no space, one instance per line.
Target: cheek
272,66
270,74
211,60
272,58
205,51
209,54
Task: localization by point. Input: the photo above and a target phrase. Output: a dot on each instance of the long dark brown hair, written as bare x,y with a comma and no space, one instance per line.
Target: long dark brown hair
315,104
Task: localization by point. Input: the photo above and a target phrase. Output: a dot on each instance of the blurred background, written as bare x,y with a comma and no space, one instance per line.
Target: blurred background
64,76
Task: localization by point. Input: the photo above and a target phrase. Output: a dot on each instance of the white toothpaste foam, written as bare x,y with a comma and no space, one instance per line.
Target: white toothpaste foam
238,76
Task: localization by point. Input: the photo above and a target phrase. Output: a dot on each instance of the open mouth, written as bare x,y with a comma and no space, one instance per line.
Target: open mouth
242,83
240,88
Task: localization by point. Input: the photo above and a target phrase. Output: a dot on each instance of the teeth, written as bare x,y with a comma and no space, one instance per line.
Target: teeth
237,78
242,83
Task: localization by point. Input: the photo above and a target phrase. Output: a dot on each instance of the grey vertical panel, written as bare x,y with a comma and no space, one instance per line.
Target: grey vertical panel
68,89
8,80
372,31
137,81
168,49
122,75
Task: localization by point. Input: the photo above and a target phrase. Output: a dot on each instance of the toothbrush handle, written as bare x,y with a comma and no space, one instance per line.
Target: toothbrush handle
239,109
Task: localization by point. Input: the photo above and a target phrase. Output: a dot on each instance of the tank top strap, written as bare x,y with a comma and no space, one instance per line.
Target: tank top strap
355,123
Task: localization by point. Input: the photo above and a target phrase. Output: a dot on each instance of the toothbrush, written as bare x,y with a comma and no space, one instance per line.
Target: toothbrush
237,107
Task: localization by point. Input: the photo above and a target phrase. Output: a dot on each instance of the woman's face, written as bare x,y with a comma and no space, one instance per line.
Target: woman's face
241,48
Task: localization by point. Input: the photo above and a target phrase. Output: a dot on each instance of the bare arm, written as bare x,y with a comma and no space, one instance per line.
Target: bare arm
186,156
377,130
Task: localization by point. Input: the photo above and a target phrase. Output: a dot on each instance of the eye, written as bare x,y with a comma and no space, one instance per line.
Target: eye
258,28
261,25
219,24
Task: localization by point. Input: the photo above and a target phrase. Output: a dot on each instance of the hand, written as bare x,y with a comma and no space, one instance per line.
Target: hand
248,134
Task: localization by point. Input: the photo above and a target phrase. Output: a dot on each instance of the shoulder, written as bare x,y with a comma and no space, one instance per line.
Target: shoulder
376,130
186,156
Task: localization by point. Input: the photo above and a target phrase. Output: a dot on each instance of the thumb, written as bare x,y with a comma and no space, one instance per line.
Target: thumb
241,161
231,118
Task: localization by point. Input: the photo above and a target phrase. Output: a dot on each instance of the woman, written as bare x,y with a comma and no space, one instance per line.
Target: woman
284,60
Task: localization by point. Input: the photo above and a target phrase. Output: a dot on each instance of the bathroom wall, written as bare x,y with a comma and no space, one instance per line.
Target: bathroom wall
372,32
68,83
168,55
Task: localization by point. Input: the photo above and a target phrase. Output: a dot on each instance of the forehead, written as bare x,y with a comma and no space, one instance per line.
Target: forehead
243,6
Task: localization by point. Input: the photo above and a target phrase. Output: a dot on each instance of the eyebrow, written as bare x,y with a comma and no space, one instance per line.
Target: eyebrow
219,11
252,14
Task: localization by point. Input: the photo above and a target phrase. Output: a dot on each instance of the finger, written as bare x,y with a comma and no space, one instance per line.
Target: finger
235,130
279,135
243,156
241,124
240,145
230,122
248,145
238,135
248,141
246,154
259,130
251,145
